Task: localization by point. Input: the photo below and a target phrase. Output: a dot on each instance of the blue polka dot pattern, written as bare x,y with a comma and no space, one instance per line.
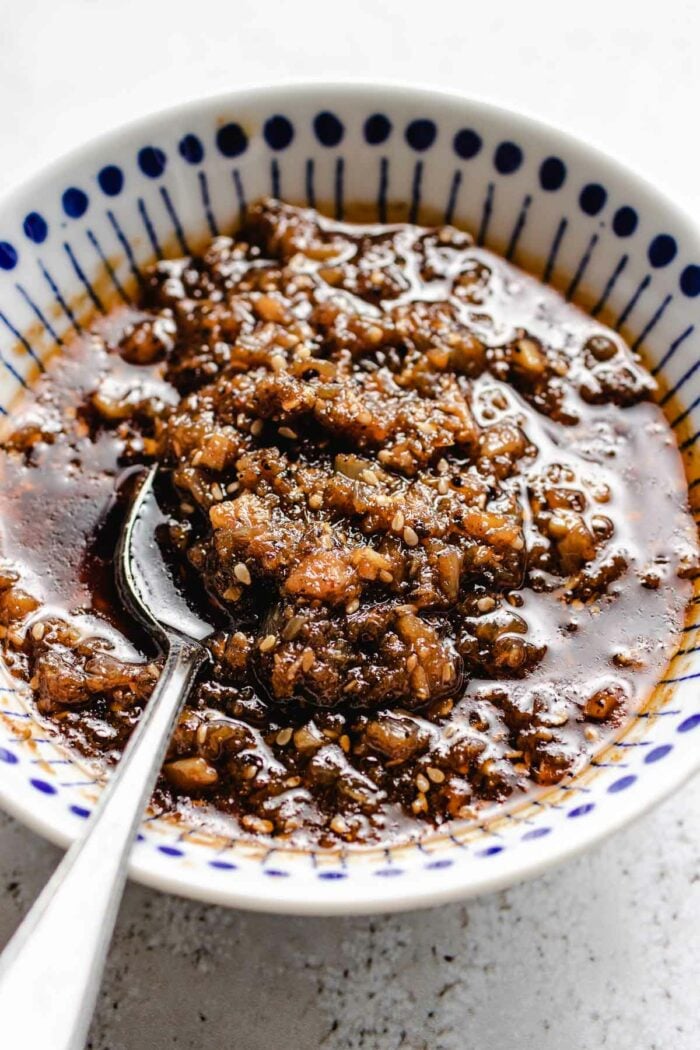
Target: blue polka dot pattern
622,784
421,134
43,786
331,875
278,132
35,227
690,281
377,129
490,851
389,873
152,161
171,851
223,865
438,865
657,753
8,756
552,174
8,256
111,180
581,811
625,221
191,149
466,143
231,140
507,158
328,129
592,198
662,250
80,811
276,873
689,723
536,833
75,202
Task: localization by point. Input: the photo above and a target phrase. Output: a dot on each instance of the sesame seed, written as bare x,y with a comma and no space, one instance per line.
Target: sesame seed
397,521
287,432
485,604
345,742
38,631
257,824
558,718
242,574
315,500
420,804
590,733
277,362
443,486
268,642
292,628
411,663
256,427
232,594
352,606
385,576
410,536
436,775
308,660
339,825
422,783
369,476
187,508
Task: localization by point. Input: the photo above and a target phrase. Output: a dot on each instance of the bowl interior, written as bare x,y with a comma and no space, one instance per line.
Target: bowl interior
72,244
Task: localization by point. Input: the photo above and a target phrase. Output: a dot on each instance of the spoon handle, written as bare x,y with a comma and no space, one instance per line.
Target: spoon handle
50,971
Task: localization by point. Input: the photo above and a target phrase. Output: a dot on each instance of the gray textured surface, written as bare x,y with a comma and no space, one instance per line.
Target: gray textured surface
602,952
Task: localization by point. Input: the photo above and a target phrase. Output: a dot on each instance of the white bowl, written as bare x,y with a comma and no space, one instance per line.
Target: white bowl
70,243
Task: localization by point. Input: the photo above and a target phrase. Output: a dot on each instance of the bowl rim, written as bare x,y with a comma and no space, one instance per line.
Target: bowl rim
348,898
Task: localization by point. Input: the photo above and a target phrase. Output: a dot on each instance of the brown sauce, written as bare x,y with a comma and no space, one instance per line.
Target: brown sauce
442,527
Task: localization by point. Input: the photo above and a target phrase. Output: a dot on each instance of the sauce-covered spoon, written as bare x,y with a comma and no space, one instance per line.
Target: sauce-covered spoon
50,972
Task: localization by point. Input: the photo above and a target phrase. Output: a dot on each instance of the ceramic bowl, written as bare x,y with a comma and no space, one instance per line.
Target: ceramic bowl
72,242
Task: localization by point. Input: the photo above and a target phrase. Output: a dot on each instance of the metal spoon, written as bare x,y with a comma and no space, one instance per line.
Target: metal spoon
50,972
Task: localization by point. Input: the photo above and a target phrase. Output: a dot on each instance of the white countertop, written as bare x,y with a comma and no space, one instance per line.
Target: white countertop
602,952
